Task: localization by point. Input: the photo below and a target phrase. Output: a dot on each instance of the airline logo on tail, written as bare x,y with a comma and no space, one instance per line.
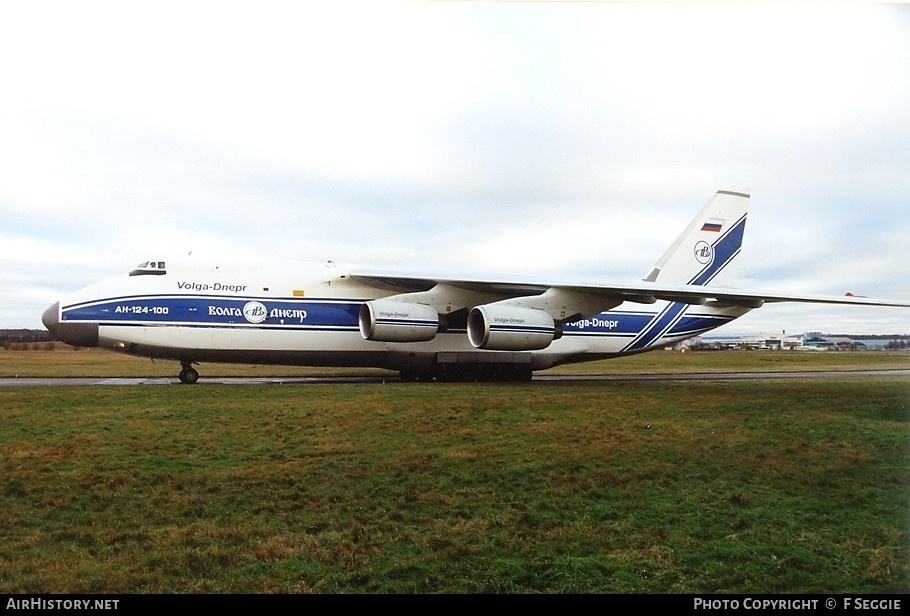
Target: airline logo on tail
703,253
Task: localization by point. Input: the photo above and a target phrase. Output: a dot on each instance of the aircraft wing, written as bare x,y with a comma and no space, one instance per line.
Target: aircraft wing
588,297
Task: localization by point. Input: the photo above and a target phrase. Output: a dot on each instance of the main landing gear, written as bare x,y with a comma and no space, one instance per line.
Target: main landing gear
188,375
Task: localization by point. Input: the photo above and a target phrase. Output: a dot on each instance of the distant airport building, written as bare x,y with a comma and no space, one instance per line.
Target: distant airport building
775,342
819,341
811,341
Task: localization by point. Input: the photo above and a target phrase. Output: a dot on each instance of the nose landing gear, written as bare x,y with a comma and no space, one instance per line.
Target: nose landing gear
188,375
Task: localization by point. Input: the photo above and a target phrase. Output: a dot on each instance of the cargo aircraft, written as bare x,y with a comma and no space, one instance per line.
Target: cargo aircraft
426,326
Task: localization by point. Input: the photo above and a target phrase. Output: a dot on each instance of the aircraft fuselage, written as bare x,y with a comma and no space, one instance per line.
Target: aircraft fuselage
309,315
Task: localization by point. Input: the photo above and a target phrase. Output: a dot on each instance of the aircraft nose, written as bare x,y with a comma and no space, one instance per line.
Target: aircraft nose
51,319
79,333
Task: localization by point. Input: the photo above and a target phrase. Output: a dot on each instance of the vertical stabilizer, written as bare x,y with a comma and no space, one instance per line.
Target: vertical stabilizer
705,251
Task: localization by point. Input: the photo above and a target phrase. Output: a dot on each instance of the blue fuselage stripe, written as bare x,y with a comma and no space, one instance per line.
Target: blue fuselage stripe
642,328
201,310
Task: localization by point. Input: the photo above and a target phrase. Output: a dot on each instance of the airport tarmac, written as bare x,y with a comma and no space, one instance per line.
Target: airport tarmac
701,376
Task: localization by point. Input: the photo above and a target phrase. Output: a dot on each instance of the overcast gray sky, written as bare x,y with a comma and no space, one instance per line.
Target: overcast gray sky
570,139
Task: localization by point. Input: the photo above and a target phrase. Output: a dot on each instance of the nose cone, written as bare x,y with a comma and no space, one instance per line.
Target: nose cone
78,333
51,319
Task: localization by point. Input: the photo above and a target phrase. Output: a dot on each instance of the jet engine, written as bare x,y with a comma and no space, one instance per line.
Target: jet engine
511,328
385,320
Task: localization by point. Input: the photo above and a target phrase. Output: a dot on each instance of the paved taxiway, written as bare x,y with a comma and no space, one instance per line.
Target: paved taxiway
701,376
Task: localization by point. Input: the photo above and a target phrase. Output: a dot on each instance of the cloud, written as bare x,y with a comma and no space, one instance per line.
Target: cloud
527,137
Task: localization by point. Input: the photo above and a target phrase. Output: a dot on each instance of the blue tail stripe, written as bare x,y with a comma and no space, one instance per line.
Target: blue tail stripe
671,320
725,249
663,322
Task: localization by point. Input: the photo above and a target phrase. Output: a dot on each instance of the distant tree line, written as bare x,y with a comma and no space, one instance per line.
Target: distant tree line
904,337
26,340
896,342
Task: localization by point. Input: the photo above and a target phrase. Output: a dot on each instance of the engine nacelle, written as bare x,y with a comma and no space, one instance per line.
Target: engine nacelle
510,328
384,320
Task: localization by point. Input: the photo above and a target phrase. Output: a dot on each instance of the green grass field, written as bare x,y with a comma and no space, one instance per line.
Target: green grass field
796,486
100,363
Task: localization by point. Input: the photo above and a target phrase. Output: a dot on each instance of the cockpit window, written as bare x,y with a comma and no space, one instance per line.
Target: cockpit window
150,268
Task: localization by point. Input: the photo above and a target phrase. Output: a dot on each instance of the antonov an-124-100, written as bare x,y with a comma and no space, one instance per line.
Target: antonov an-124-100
425,326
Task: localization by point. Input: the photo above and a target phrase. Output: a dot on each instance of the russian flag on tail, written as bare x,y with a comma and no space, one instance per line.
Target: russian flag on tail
714,224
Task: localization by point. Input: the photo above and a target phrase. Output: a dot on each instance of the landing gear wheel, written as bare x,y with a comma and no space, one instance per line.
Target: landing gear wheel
188,375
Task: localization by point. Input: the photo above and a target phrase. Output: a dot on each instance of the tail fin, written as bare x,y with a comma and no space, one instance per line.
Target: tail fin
705,251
